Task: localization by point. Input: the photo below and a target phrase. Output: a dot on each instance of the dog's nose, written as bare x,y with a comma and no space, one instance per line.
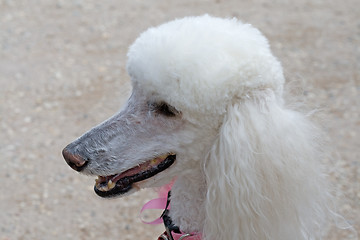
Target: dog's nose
75,161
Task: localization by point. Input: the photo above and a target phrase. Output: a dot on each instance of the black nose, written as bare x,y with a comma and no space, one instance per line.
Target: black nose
75,161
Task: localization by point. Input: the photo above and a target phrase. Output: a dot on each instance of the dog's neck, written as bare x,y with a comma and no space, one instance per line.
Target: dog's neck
187,202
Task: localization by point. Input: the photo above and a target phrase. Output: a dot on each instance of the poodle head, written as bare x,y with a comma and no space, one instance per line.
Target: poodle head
184,75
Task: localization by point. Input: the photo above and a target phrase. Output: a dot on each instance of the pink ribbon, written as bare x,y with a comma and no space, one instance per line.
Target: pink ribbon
192,236
157,203
160,203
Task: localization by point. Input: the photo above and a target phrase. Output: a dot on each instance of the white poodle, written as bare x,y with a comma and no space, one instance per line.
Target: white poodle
207,108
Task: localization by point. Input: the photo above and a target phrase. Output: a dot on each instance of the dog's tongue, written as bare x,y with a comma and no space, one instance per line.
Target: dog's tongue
109,182
140,168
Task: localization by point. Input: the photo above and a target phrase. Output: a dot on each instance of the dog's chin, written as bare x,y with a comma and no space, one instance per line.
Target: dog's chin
125,183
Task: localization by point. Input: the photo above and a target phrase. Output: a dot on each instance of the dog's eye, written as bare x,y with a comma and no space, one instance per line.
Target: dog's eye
164,109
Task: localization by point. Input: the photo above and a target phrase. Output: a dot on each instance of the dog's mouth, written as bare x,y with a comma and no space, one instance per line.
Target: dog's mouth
118,184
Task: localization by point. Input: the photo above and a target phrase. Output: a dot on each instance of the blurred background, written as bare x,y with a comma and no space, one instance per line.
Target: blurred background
62,70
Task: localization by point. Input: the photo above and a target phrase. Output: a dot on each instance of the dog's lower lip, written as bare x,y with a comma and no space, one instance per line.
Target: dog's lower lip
119,184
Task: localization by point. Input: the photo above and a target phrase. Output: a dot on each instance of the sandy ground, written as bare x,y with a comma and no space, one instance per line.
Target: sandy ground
62,70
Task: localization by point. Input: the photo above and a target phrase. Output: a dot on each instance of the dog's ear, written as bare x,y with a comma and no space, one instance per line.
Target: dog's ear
263,174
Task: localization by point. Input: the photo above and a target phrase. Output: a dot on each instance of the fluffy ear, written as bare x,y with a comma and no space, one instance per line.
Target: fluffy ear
263,174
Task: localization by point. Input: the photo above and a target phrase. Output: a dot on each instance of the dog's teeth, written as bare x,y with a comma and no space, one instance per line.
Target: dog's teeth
110,184
103,188
156,160
97,180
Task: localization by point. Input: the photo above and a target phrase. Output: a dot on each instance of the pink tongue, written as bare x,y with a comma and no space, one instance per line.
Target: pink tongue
135,170
127,173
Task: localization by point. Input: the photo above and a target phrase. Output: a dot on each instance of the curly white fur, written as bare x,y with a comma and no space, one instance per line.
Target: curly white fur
247,166
200,64
264,173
